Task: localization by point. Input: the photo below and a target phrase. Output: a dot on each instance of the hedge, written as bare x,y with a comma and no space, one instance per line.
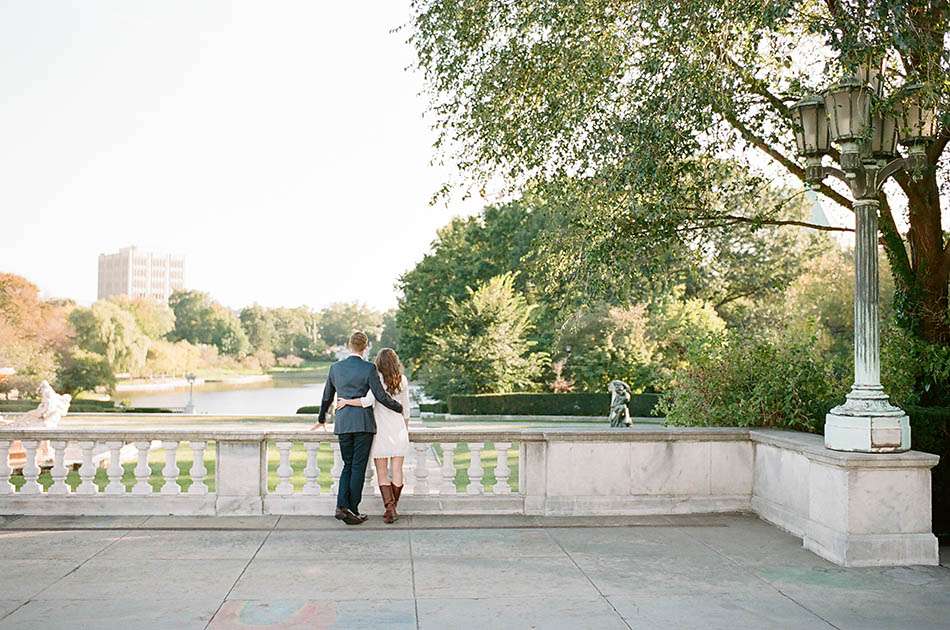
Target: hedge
546,404
930,432
309,409
79,406
434,407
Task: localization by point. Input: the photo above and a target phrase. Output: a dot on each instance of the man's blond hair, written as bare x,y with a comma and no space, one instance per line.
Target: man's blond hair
358,341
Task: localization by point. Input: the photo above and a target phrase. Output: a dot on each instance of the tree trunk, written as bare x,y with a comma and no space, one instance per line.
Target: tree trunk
928,260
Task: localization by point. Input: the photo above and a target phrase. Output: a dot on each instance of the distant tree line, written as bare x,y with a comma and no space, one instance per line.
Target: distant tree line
81,349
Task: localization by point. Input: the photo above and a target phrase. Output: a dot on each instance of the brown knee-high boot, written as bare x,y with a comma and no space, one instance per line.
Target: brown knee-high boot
397,490
389,501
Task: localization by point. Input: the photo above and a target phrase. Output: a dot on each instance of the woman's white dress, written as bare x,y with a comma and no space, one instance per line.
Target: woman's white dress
392,434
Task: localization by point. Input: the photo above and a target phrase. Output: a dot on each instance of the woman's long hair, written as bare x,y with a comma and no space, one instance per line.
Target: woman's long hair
388,364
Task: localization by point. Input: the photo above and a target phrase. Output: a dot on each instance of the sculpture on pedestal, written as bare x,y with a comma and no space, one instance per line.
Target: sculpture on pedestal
52,408
619,397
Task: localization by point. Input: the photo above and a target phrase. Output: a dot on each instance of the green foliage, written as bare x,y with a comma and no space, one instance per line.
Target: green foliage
258,324
647,122
81,370
484,345
743,381
390,336
434,407
200,320
913,370
338,321
546,404
640,346
297,333
109,330
466,253
930,432
153,318
309,409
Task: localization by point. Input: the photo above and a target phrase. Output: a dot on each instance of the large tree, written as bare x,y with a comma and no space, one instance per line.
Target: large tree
485,345
650,119
199,319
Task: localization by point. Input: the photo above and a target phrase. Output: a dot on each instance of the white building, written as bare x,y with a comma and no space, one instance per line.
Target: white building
136,273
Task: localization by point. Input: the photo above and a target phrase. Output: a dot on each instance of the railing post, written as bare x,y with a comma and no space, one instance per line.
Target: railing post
502,471
284,471
448,468
58,473
532,476
170,472
337,467
114,471
421,471
311,472
475,470
31,471
87,471
5,487
142,469
198,470
241,475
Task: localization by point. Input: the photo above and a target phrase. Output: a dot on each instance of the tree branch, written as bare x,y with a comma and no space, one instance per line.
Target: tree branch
814,226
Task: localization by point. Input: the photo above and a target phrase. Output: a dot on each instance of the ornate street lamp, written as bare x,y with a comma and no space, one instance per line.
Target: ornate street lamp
866,132
190,407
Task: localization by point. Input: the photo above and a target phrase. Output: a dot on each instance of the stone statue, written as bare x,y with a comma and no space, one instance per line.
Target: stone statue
52,408
619,397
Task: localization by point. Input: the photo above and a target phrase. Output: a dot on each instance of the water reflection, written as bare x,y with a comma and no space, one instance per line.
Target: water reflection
281,396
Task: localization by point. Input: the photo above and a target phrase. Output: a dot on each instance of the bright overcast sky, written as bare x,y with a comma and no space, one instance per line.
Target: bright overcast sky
279,146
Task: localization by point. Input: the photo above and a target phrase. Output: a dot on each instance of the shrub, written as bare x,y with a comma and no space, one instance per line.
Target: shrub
737,381
547,404
930,432
289,361
485,345
309,409
434,407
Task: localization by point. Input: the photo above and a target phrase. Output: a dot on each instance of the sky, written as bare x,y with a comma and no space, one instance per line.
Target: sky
280,147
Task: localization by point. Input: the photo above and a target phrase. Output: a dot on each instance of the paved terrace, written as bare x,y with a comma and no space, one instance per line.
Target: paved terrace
698,571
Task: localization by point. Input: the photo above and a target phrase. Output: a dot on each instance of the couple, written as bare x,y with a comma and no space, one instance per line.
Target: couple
372,420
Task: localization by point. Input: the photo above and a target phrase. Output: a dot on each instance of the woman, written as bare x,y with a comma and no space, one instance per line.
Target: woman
391,444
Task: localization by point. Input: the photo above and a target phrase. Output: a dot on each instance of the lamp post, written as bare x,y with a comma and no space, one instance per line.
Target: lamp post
854,114
190,407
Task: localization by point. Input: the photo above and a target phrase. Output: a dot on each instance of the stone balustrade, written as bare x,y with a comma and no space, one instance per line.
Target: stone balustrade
854,509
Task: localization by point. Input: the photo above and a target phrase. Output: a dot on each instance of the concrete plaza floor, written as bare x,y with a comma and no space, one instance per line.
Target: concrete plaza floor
707,572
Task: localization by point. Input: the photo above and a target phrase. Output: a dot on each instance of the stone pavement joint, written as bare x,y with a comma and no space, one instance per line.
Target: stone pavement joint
701,571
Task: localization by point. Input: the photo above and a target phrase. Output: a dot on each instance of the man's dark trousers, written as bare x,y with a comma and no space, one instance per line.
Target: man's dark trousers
354,447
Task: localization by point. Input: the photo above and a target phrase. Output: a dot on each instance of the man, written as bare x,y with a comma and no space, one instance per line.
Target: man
353,377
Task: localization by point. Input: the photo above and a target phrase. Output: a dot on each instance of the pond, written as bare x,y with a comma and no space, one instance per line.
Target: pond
280,396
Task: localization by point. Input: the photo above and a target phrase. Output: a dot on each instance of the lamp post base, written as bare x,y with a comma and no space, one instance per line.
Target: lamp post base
867,423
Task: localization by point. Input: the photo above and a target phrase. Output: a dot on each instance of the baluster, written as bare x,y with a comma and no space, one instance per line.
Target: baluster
5,487
311,471
284,471
170,472
198,470
114,471
142,470
87,471
448,468
58,473
370,488
502,471
475,470
31,471
422,471
337,467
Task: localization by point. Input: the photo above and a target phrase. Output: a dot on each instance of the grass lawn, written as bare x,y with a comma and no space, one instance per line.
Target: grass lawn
309,369
298,460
